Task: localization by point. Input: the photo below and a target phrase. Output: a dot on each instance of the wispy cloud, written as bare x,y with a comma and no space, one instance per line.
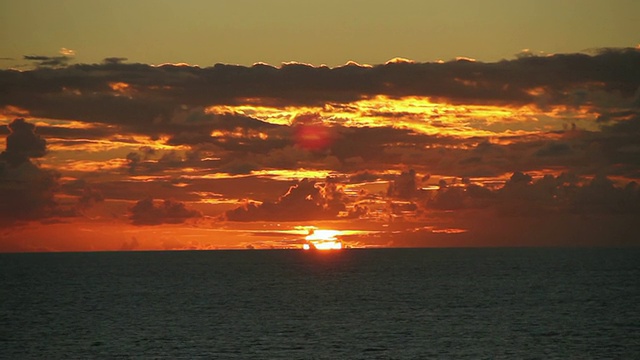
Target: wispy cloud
67,52
43,61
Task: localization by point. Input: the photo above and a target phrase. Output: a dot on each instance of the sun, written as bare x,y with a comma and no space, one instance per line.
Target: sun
322,240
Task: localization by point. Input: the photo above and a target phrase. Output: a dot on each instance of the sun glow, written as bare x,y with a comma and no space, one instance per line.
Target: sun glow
323,245
322,240
420,113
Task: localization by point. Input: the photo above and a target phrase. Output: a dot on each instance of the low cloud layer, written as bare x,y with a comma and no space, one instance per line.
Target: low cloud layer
149,212
521,195
306,200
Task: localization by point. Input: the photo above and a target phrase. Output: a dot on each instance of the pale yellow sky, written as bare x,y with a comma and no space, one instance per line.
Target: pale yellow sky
330,32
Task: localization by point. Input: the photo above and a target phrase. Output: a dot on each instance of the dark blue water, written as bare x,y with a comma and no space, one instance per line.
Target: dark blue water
354,304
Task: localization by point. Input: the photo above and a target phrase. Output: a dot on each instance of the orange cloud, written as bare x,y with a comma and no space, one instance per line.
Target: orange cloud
212,138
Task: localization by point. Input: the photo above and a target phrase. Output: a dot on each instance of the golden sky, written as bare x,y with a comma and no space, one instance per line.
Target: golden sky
208,125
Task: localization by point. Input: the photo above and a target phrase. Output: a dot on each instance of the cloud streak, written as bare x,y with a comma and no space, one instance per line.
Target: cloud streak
564,79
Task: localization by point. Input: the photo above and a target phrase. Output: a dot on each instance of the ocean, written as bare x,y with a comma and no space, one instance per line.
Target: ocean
497,303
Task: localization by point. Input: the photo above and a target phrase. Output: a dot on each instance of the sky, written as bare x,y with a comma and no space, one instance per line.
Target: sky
163,125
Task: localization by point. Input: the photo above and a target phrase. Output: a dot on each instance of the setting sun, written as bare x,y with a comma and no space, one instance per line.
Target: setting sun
323,240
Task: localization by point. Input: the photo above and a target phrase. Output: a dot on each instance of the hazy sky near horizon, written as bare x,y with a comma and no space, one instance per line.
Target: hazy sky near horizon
202,32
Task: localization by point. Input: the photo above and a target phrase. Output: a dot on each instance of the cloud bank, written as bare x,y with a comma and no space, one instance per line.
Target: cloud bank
250,117
306,200
568,79
530,137
148,212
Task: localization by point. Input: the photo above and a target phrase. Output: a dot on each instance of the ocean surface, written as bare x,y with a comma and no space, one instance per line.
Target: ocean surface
351,304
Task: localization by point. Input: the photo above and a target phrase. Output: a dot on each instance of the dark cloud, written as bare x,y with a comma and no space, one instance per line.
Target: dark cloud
404,186
376,149
114,60
238,167
155,92
306,200
554,149
170,101
612,151
89,198
363,177
95,132
629,123
242,150
227,132
27,192
602,196
133,162
518,178
22,143
449,199
87,195
147,163
48,61
147,212
521,195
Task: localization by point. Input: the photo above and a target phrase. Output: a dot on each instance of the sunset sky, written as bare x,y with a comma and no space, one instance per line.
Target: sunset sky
153,125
